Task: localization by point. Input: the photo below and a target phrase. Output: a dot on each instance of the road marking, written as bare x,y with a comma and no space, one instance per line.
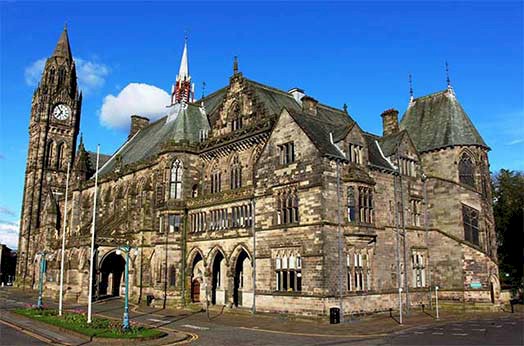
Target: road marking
479,329
319,335
157,320
419,333
194,327
459,334
498,326
437,333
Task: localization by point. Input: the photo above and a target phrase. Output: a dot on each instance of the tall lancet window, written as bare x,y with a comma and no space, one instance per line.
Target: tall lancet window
59,156
466,170
176,180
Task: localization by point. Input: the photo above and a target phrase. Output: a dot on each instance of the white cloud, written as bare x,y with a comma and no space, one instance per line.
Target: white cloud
136,98
33,72
91,75
9,234
516,141
7,211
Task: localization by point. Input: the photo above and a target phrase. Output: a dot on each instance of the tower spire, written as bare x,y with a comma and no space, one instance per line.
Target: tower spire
62,48
182,91
235,65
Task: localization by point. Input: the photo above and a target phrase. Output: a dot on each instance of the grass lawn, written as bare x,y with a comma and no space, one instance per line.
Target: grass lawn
99,327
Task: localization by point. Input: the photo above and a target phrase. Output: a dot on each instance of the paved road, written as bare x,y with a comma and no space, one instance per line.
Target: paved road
11,337
505,329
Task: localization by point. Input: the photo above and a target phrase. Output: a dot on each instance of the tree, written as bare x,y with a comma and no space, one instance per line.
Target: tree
508,210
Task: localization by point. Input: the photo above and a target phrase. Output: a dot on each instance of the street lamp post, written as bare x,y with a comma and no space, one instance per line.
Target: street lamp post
125,322
41,278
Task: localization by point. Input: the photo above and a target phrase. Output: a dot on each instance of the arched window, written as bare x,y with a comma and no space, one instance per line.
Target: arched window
52,75
49,153
59,155
176,180
61,76
466,170
236,174
351,204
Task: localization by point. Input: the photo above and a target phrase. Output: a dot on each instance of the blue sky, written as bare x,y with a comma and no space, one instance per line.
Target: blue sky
354,53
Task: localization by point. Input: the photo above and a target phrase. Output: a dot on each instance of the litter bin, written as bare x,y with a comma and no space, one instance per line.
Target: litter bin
334,315
149,299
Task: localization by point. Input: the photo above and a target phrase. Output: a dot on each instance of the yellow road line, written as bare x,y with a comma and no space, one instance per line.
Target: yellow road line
317,335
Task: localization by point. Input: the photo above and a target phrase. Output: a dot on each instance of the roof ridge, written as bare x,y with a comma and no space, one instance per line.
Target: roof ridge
210,95
317,118
432,94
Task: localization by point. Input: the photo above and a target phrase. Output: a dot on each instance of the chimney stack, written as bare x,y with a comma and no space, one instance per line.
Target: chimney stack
137,124
309,105
390,122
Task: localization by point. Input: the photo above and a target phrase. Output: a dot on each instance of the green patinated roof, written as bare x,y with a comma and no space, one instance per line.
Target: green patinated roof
149,140
437,121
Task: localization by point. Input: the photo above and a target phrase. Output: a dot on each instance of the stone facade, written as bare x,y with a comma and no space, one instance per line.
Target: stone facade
256,196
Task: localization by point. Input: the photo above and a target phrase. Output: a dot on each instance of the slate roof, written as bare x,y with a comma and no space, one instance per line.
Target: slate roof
438,121
390,143
91,156
318,130
375,157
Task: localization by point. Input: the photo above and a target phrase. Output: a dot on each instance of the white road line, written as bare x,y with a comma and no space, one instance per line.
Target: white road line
437,333
194,327
479,329
459,334
498,326
159,321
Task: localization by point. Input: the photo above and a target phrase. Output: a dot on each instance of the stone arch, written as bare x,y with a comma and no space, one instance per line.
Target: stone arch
111,267
242,273
218,269
494,288
192,254
60,152
237,251
49,153
213,252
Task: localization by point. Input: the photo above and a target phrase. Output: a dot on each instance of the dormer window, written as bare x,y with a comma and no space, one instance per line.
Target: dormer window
203,134
355,153
407,167
236,124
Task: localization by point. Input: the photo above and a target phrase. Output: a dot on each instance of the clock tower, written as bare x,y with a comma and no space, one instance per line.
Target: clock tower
53,130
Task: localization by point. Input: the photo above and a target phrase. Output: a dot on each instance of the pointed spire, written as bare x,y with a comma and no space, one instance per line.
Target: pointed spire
410,79
62,47
448,81
235,65
81,144
183,72
345,107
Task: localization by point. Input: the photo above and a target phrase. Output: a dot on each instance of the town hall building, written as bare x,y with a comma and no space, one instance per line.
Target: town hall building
255,197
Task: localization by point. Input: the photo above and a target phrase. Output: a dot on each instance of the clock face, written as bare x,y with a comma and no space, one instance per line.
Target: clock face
61,111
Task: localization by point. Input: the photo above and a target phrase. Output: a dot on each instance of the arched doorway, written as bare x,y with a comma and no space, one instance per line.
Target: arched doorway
197,274
217,279
243,282
112,267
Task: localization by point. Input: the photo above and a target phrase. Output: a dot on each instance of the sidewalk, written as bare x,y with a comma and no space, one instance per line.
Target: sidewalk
376,325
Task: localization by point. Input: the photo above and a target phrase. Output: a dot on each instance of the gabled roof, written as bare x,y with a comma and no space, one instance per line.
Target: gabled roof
375,156
319,132
438,121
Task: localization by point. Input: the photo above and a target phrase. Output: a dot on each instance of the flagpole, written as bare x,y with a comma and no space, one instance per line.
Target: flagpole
91,263
60,298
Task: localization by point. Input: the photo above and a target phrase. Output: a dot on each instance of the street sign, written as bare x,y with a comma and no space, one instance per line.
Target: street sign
475,285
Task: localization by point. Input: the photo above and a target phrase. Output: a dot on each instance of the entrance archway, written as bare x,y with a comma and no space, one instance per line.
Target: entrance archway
197,275
217,279
243,282
112,267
